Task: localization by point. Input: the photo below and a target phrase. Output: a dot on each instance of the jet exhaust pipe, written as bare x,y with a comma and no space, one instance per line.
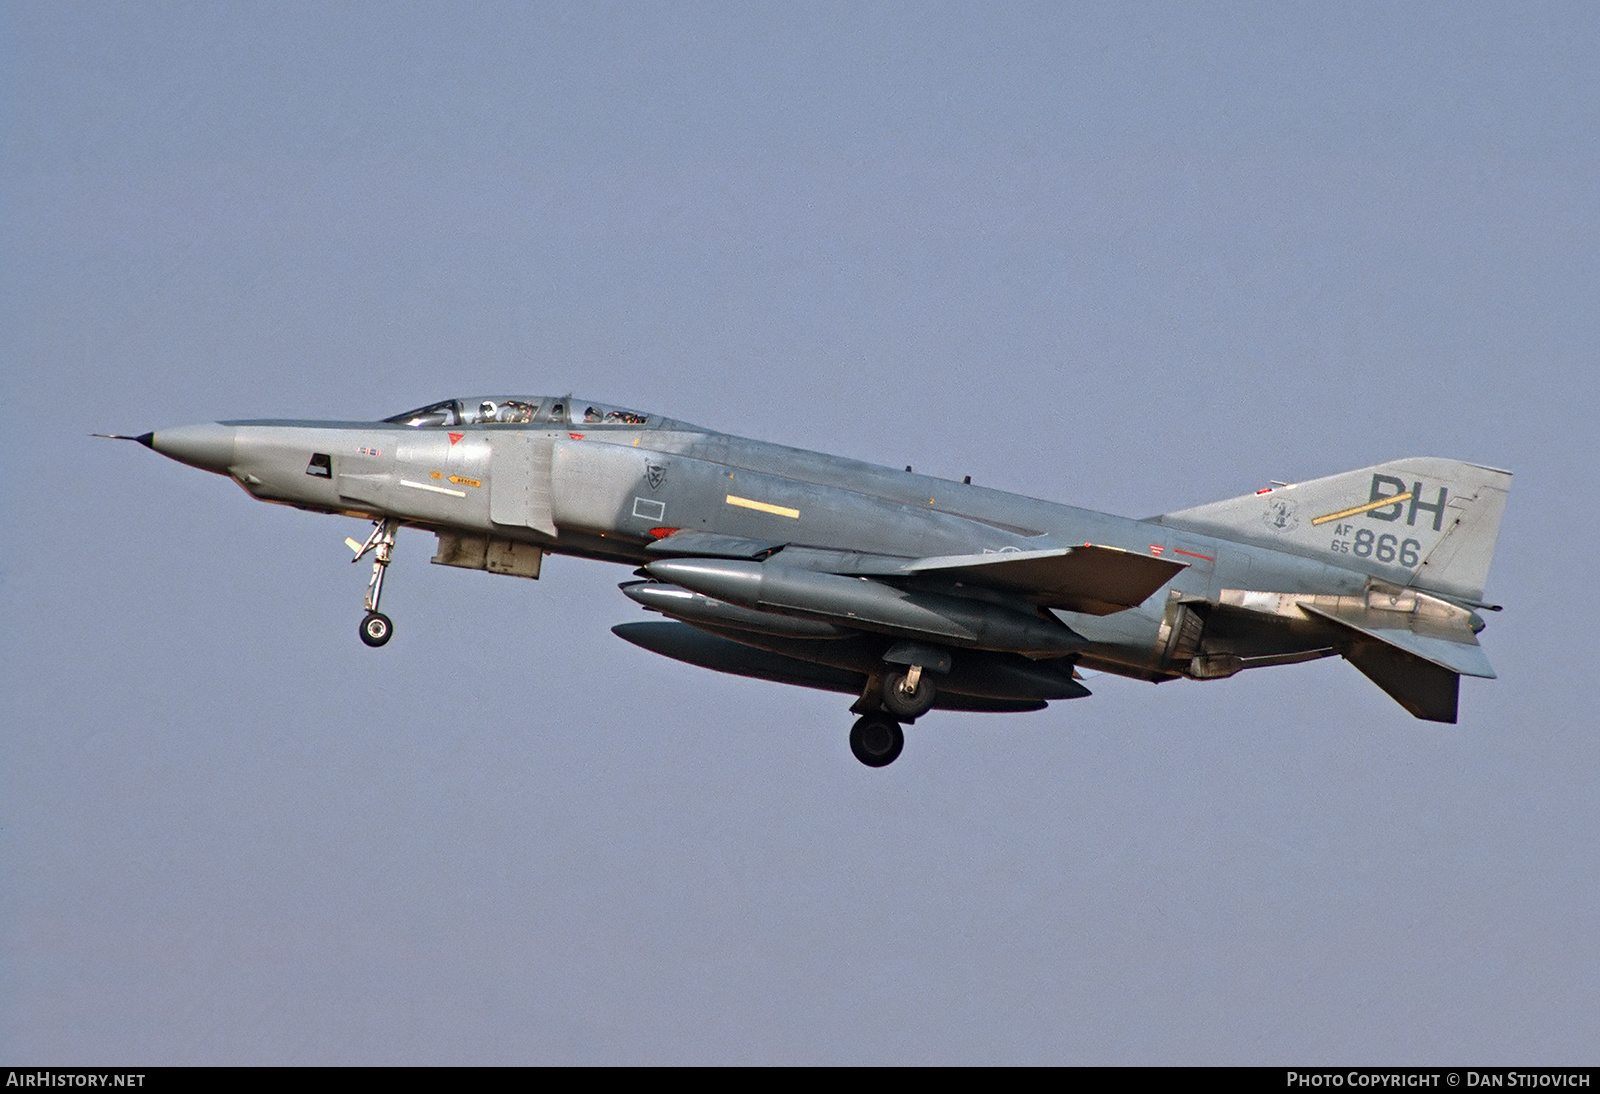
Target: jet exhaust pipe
863,604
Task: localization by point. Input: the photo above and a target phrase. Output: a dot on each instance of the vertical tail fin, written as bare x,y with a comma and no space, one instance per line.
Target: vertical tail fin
1424,522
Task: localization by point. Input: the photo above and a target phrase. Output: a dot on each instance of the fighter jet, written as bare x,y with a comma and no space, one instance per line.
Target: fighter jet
907,592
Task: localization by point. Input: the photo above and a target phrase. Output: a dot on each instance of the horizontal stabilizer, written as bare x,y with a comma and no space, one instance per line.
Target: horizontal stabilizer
1425,689
1414,646
1458,652
1090,579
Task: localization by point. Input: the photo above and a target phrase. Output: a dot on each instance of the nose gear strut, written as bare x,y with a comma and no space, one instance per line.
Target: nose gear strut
376,628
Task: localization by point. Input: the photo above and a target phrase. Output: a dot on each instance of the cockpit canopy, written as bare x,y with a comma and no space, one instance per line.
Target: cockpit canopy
518,410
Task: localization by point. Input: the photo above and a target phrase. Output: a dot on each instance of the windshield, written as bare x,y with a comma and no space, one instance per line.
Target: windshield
445,413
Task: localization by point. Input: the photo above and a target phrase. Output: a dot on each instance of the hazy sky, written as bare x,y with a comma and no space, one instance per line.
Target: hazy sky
1131,259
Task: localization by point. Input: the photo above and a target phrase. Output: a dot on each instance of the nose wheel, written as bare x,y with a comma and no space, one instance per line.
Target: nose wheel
376,628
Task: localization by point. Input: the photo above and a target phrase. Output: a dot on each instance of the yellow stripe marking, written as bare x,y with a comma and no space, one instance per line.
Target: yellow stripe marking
763,507
433,489
1358,510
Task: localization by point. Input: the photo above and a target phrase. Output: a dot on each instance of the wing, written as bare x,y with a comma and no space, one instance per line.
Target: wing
1090,579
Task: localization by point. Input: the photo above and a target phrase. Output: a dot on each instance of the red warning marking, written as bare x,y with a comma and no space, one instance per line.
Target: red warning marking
454,437
1268,490
1192,554
661,533
576,436
1156,549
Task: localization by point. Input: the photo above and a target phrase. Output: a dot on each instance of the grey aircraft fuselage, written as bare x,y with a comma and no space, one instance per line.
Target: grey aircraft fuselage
913,592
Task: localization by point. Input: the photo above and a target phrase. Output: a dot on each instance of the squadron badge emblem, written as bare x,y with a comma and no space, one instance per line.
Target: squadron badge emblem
1281,516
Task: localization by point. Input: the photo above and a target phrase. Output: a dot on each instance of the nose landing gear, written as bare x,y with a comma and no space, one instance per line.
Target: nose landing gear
376,628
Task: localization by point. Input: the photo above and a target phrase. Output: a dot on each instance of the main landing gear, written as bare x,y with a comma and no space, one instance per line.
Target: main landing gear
876,740
901,690
376,628
907,694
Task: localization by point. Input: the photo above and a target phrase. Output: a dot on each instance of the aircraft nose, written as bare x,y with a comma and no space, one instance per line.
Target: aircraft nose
209,447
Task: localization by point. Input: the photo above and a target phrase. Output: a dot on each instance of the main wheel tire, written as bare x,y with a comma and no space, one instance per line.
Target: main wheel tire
906,705
876,741
376,629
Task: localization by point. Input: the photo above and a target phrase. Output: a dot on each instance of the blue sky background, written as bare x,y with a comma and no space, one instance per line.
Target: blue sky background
1131,258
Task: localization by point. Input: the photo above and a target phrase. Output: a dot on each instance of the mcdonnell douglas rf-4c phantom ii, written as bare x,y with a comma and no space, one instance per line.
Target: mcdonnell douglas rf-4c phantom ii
908,592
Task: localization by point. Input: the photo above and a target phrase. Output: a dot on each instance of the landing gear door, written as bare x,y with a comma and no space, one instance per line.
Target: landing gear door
519,481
